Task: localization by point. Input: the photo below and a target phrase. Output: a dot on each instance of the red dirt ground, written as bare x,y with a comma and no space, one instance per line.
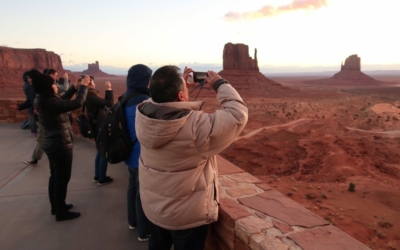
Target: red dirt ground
312,142
311,148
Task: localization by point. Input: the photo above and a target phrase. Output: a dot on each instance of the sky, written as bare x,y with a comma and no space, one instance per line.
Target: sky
290,35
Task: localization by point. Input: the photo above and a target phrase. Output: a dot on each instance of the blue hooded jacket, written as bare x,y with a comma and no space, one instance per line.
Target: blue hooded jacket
137,81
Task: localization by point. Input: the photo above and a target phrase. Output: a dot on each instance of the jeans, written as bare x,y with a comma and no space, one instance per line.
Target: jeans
187,239
32,122
60,174
100,167
38,152
136,216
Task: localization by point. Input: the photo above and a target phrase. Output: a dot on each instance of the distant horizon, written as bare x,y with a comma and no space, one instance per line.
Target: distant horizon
290,35
283,70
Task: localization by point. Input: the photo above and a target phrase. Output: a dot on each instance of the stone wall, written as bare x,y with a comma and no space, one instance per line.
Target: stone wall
9,115
253,216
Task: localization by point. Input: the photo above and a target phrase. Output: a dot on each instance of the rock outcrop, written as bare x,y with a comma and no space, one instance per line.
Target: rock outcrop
25,59
14,62
94,70
352,62
236,57
242,72
349,74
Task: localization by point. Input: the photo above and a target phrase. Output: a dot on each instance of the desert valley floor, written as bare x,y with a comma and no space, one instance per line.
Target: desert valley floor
312,143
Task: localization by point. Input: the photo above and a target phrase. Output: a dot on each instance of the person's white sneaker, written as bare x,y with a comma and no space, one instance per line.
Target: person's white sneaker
132,228
143,239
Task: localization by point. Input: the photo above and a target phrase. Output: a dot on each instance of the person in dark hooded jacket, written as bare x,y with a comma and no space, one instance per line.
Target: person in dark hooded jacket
29,105
29,93
57,136
137,82
96,113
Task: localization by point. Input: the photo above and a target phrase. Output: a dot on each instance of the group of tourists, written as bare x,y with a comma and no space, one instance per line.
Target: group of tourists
173,175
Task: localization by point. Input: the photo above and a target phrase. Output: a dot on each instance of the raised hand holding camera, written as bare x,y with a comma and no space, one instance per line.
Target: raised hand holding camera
186,75
86,80
108,85
211,78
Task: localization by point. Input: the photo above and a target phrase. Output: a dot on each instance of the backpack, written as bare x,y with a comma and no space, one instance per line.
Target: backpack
85,127
113,138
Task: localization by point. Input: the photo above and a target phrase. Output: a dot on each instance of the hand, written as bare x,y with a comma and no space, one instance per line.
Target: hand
186,74
85,81
211,78
35,112
78,82
108,85
14,106
65,75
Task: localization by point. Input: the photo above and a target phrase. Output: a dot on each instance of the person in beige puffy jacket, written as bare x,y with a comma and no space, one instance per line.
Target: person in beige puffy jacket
178,168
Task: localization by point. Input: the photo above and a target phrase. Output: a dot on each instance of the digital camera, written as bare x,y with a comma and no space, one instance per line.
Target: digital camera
199,76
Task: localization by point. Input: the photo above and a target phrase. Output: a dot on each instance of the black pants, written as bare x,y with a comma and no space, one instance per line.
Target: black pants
188,239
60,174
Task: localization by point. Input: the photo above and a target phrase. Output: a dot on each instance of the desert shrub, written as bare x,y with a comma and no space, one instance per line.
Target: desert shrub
352,187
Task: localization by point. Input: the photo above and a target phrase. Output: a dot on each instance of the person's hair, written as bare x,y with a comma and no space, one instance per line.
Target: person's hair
165,84
25,76
50,71
45,71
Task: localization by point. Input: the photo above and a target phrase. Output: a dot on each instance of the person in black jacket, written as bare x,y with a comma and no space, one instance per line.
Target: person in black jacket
96,113
29,104
26,86
57,136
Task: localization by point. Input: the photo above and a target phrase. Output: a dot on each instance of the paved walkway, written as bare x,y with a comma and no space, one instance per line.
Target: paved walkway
25,219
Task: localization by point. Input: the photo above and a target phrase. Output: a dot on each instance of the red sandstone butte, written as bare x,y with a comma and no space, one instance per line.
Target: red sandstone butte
13,63
94,70
352,62
243,73
236,57
349,74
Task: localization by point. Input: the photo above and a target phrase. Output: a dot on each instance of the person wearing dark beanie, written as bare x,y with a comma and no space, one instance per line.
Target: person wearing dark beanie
57,140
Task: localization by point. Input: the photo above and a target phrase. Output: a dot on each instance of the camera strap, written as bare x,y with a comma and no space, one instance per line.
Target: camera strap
201,84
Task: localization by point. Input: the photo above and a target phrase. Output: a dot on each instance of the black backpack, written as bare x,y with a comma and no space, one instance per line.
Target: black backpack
85,127
113,139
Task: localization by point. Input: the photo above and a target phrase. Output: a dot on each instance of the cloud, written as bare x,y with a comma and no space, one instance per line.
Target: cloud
5,45
268,10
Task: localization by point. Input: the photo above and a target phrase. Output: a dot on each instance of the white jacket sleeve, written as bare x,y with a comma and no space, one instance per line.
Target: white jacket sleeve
215,132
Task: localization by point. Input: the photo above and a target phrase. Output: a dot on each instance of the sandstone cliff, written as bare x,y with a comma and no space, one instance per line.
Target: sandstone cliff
25,59
236,57
352,62
14,62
